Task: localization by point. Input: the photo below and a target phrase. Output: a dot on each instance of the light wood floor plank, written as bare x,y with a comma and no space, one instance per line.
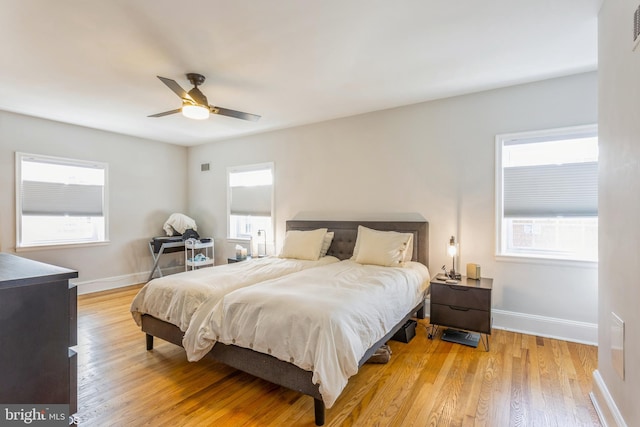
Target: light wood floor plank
523,381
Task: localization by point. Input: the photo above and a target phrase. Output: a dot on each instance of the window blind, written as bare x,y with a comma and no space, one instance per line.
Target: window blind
251,200
569,189
50,198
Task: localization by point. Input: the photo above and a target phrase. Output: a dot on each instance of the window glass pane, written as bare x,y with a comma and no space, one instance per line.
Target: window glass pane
51,230
551,152
251,178
64,174
568,238
247,226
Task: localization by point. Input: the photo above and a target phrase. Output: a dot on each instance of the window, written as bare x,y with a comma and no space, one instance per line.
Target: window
59,201
250,193
547,194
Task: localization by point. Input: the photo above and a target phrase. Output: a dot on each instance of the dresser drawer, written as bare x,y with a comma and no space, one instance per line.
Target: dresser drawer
462,318
461,296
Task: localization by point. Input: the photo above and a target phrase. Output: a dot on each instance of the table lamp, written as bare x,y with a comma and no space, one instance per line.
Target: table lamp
452,250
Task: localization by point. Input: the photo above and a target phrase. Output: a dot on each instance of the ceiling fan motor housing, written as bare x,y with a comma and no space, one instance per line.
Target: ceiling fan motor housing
195,78
195,93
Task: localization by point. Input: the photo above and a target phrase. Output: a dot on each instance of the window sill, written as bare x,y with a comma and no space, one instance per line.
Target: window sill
61,246
529,259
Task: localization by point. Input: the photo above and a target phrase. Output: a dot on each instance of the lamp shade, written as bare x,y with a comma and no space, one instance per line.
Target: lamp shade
197,112
452,249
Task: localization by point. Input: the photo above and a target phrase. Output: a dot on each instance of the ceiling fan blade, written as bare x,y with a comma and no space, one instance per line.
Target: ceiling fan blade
234,113
198,97
166,113
175,87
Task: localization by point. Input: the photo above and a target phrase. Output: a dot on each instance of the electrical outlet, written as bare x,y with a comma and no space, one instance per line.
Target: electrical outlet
617,344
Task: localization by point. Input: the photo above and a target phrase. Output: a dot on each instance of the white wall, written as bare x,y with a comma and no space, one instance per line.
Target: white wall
435,158
147,182
619,211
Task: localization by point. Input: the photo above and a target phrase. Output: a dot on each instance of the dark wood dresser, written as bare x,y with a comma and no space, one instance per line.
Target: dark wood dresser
38,327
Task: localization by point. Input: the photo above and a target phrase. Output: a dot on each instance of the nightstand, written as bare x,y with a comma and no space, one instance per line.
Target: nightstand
232,260
463,305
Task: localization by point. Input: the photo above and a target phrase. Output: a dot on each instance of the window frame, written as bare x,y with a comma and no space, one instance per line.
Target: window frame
567,133
19,158
249,168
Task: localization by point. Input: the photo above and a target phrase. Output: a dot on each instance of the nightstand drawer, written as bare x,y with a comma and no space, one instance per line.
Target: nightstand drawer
461,296
462,318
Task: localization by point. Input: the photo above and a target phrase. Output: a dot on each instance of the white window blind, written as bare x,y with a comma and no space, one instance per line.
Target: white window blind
254,200
47,198
569,189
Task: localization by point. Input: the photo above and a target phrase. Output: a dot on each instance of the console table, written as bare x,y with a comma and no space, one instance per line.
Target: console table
163,245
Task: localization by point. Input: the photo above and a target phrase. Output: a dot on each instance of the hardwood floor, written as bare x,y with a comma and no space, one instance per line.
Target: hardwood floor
523,381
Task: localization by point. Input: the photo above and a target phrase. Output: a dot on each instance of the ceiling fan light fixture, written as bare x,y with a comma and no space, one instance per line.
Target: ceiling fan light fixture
195,104
197,112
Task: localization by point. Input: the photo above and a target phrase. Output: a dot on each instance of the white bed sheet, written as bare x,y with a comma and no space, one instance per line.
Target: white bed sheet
322,320
175,298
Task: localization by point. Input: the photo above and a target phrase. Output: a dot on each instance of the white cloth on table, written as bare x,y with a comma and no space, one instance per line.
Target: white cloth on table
180,223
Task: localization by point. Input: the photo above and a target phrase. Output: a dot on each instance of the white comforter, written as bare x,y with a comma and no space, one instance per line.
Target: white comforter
322,320
176,298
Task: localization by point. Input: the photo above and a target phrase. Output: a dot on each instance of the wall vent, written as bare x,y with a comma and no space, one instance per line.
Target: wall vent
204,167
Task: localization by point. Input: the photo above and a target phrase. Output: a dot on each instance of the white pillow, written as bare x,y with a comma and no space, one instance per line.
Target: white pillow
303,244
386,248
326,243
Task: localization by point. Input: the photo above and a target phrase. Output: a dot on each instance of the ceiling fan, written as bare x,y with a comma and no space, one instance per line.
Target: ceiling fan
195,104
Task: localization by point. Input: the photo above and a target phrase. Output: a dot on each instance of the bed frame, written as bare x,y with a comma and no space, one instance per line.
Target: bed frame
283,373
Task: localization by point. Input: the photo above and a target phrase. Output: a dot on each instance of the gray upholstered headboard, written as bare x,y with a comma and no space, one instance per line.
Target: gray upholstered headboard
346,232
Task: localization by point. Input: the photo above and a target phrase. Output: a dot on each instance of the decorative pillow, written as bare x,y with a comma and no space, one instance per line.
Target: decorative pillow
303,244
386,248
328,238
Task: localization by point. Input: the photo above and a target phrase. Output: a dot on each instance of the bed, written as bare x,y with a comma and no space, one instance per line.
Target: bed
176,298
286,373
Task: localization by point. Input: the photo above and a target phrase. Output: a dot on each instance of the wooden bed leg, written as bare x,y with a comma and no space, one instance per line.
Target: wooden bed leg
420,313
149,342
318,406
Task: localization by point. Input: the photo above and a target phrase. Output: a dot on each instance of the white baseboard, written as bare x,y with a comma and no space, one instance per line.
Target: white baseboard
605,405
108,283
550,327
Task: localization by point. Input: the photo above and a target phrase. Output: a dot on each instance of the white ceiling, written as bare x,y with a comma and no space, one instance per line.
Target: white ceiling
94,63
